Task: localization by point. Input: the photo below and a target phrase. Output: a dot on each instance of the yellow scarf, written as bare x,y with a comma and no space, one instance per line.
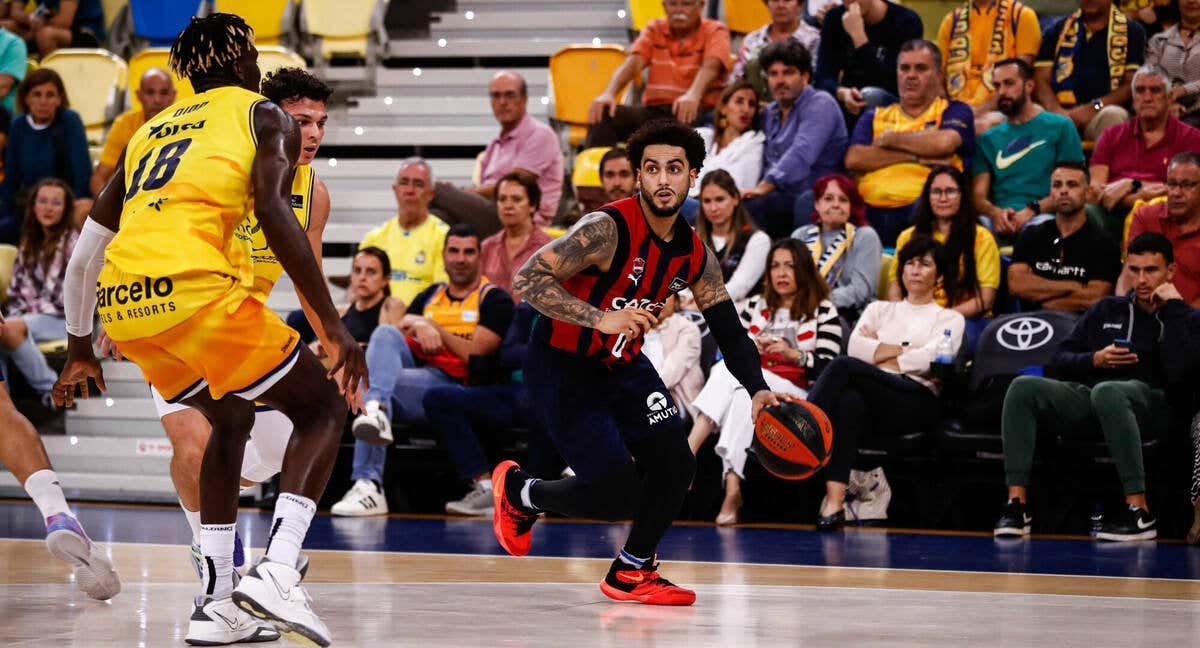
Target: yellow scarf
958,59
1063,80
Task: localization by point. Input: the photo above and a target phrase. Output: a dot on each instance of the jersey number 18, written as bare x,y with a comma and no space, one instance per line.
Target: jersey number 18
162,170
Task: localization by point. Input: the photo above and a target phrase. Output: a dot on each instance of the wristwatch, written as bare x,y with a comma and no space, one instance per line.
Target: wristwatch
1034,206
1097,104
1135,186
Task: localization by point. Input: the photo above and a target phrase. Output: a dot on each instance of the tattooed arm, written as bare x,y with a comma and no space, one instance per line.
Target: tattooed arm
592,242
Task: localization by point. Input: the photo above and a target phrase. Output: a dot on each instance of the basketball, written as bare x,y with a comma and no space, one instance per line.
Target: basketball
792,440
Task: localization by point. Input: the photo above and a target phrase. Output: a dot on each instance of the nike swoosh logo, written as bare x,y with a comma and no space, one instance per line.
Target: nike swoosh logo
232,623
284,594
631,578
1003,162
1146,525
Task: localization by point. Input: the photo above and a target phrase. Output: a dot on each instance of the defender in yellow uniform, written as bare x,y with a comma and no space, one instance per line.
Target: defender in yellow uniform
176,294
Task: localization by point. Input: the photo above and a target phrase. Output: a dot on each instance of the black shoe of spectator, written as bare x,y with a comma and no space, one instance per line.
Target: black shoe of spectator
1132,523
834,522
1015,521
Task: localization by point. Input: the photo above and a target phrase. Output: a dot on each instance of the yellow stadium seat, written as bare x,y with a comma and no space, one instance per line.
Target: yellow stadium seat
273,57
95,79
153,57
8,256
50,347
266,17
744,16
577,74
641,12
1129,219
587,167
342,27
885,275
477,170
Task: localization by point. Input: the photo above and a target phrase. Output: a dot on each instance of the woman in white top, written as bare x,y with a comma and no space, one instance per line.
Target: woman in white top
727,229
733,142
885,383
785,23
797,332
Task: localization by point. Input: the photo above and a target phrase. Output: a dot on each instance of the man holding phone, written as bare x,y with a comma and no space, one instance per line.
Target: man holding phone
1116,367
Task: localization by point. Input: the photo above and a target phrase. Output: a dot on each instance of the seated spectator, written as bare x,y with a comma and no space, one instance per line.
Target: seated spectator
503,253
523,143
673,347
1121,357
1086,63
617,181
14,18
444,327
371,303
797,332
860,46
67,23
461,413
412,240
977,36
13,63
1014,159
157,91
887,375
1172,51
34,310
1130,160
733,142
848,255
688,60
46,141
725,227
1067,263
894,147
972,274
785,23
806,139
1179,220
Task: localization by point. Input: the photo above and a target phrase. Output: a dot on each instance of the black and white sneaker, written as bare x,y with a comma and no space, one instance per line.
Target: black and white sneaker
1015,521
218,622
1132,523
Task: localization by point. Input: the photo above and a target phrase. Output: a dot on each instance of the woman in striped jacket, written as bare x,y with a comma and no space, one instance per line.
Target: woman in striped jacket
797,331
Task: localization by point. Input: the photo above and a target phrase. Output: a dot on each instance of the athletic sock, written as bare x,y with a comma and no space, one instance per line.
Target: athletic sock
293,513
216,543
632,560
44,489
193,520
525,497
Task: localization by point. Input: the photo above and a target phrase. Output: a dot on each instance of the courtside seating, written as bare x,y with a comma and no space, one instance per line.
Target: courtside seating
586,178
744,16
642,12
153,57
342,28
8,256
270,19
96,80
577,74
160,21
885,275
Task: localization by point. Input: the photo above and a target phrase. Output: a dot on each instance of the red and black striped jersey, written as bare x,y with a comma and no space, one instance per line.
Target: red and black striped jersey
645,270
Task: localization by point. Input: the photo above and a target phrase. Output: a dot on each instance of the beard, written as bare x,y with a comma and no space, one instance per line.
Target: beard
670,210
1011,107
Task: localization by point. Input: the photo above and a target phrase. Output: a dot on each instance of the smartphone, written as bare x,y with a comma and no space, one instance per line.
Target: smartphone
1123,343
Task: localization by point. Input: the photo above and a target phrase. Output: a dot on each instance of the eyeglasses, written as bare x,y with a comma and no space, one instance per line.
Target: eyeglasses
1186,185
952,192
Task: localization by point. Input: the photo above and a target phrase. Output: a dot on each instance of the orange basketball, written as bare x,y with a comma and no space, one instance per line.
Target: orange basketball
792,440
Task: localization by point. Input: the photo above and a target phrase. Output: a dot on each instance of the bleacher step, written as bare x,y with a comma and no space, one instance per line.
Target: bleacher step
101,487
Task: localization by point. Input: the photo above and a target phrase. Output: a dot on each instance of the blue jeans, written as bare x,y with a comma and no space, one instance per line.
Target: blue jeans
399,385
28,358
888,223
779,212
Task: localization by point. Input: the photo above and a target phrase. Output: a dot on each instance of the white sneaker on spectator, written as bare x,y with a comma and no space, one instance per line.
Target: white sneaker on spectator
373,425
478,501
218,622
364,498
272,591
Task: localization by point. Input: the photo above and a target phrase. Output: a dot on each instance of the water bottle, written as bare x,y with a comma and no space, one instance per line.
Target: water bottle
943,357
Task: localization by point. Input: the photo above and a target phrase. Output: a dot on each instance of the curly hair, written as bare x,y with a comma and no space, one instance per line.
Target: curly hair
210,46
293,84
670,133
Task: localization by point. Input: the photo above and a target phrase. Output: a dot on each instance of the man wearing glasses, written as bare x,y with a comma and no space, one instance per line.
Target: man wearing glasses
1068,263
1179,220
523,143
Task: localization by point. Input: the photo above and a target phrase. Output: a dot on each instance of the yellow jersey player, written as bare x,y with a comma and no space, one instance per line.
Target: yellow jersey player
175,291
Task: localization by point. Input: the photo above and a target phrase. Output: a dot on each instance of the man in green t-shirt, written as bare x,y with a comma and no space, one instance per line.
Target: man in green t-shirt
1014,159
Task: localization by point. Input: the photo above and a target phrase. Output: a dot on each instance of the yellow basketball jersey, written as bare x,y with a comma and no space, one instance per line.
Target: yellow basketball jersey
267,268
188,188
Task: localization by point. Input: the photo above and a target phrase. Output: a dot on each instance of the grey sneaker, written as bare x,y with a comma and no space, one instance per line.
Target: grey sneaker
478,501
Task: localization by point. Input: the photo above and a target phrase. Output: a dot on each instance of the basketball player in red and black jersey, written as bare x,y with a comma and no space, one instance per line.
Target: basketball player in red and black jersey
598,289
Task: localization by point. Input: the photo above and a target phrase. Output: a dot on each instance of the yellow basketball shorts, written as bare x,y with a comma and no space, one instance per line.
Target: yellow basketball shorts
234,344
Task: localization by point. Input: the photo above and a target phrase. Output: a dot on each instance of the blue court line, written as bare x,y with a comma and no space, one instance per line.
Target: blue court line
700,543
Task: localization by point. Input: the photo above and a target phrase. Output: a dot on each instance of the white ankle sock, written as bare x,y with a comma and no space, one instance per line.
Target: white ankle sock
193,520
525,493
46,492
293,513
216,543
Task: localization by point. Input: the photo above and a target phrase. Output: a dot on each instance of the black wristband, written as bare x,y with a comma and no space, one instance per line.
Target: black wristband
741,356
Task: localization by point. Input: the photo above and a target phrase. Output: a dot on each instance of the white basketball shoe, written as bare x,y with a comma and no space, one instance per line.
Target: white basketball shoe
272,591
94,572
219,622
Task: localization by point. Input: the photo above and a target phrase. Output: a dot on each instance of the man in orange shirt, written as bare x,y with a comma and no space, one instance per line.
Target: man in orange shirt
156,92
688,57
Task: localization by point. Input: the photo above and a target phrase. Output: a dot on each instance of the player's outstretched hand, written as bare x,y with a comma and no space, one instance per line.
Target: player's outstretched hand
630,322
76,372
349,369
767,398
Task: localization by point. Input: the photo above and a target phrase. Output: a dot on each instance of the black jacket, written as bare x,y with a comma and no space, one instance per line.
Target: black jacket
1167,343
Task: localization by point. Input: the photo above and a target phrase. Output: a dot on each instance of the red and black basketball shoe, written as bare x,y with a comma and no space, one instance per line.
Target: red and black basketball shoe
511,521
645,585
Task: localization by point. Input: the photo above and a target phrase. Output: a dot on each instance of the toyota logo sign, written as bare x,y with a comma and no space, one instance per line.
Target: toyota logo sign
1024,333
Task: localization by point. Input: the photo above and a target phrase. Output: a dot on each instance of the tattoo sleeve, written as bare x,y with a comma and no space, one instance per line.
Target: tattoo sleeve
709,289
591,242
